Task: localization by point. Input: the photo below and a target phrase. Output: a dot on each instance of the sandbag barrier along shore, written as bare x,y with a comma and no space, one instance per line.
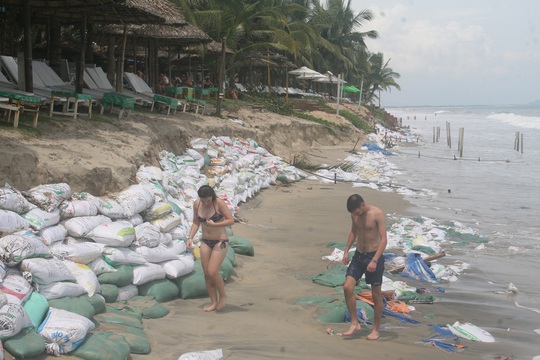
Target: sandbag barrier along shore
80,272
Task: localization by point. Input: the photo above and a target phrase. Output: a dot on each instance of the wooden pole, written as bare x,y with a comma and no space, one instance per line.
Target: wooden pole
461,136
522,143
221,77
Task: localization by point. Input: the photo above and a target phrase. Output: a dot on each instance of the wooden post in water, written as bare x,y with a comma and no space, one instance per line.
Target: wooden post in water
516,141
434,134
522,143
448,135
460,146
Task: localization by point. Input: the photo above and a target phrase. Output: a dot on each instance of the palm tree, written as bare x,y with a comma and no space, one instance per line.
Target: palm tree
379,77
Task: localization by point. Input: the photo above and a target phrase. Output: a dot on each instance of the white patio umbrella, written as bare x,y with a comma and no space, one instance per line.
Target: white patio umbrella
304,70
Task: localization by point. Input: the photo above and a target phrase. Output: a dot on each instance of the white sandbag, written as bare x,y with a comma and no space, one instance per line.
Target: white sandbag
179,246
13,318
118,233
157,210
11,222
82,225
64,331
118,256
80,252
147,272
111,208
127,292
15,248
178,232
60,289
165,239
45,271
16,288
40,219
147,234
148,173
100,266
73,208
135,220
135,198
194,154
167,222
203,355
156,254
48,196
13,200
85,277
181,266
53,234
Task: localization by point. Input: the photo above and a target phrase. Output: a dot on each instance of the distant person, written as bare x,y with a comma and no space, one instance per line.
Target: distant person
211,212
163,83
208,83
140,74
368,229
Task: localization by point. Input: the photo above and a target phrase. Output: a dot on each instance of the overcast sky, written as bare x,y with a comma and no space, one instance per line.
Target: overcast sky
458,52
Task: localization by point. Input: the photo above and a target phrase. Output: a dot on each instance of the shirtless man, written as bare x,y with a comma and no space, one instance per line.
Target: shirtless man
369,230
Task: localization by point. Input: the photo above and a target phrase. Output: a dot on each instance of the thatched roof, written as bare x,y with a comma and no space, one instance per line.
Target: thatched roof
101,11
213,47
166,34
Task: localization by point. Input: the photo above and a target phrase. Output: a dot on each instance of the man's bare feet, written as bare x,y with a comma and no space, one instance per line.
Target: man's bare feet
221,303
211,307
354,328
374,335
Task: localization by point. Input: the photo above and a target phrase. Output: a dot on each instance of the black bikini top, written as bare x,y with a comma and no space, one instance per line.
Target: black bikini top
215,217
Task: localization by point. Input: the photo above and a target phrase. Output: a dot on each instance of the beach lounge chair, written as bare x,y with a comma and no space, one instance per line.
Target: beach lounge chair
141,88
48,85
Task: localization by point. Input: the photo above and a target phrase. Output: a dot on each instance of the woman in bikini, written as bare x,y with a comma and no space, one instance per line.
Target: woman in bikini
213,214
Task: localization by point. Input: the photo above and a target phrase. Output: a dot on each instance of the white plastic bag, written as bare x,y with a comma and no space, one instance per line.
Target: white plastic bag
64,331
118,233
203,355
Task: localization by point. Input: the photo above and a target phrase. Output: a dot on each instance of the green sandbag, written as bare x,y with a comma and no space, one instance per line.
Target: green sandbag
231,255
162,290
109,292
123,276
226,269
125,311
241,245
119,317
97,301
25,345
103,346
136,338
192,285
331,277
36,307
148,307
335,315
76,305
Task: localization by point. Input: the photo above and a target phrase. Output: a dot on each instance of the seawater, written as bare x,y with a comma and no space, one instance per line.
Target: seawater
490,186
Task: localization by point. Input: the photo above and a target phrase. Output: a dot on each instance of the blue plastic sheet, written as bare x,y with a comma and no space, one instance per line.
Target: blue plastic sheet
376,148
417,269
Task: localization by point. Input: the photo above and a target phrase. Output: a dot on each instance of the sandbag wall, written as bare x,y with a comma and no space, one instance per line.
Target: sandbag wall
79,272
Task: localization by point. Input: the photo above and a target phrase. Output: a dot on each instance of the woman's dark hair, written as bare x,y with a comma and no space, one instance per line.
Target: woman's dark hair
354,202
206,191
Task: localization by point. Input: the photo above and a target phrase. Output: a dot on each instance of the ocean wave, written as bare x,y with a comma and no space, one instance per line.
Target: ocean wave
532,122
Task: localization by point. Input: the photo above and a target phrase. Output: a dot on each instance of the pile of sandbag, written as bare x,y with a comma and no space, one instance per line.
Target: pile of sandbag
67,258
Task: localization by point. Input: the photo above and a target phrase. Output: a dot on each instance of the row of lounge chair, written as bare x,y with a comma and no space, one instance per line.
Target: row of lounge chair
51,89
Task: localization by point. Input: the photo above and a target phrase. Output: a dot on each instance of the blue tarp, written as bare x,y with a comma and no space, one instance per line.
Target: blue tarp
417,269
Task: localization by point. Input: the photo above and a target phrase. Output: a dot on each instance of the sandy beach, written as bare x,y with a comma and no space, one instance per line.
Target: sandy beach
290,227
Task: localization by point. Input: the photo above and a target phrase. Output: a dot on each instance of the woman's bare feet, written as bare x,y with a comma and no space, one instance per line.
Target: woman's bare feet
374,335
354,328
221,303
211,307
